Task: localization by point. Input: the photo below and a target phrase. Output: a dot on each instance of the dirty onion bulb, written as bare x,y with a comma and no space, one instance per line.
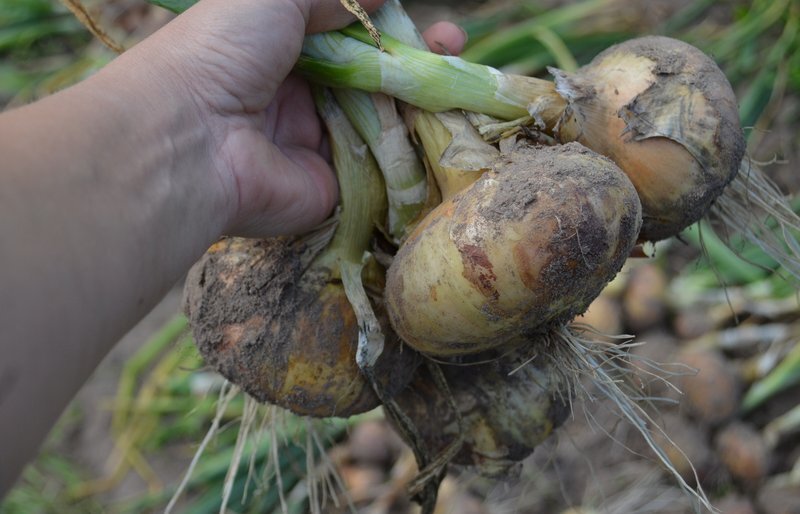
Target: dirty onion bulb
285,336
526,247
507,405
665,113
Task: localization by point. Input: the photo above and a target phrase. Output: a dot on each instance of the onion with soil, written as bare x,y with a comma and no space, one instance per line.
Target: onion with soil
527,247
284,336
506,406
665,113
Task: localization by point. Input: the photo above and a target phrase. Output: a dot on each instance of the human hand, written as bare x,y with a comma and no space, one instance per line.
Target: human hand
267,144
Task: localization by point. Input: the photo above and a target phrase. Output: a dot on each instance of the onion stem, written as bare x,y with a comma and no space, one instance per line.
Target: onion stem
362,200
362,193
393,20
432,82
375,118
456,154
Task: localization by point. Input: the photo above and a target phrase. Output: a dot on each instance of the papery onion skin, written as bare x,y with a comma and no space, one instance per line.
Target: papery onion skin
667,115
285,335
527,246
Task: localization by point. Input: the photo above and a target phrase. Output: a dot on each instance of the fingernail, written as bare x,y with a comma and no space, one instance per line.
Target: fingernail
463,31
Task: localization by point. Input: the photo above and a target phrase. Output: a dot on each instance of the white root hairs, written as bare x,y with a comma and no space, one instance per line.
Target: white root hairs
745,208
325,471
322,482
605,365
248,420
251,469
227,393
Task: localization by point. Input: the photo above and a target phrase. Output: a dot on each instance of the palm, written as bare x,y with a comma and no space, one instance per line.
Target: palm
283,179
267,138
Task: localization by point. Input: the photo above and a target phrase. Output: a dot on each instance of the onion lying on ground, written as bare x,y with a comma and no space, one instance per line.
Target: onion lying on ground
526,247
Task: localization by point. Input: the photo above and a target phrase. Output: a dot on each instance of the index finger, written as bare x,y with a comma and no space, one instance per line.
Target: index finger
324,15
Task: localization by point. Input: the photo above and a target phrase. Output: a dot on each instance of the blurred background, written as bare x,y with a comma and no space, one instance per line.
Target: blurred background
127,440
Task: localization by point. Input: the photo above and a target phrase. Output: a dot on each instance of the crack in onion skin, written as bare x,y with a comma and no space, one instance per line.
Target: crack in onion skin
508,407
284,334
529,245
667,115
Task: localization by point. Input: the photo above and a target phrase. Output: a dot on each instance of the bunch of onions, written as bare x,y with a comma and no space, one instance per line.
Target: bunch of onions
504,231
501,262
659,108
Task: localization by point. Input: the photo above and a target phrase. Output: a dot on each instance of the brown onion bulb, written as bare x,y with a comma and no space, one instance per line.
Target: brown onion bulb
665,113
529,245
285,335
504,415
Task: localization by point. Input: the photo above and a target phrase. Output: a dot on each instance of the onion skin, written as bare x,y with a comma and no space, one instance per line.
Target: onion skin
285,335
505,416
528,246
665,113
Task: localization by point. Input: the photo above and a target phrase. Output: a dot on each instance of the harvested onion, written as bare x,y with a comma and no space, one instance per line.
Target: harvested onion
665,113
526,247
284,336
507,407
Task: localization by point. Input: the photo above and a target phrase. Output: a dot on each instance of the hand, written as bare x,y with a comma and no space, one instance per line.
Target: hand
236,57
115,186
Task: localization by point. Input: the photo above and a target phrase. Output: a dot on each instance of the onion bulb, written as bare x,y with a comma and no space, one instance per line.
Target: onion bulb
284,334
507,406
527,246
665,113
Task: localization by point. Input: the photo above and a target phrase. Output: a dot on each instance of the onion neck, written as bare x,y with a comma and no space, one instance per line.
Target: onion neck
432,82
362,194
375,118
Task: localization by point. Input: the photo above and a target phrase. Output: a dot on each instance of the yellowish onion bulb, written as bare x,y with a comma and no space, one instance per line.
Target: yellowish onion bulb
508,406
529,245
285,335
665,113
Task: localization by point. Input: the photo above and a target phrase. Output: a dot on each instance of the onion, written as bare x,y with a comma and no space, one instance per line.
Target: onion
665,113
285,336
528,246
744,453
507,407
712,393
